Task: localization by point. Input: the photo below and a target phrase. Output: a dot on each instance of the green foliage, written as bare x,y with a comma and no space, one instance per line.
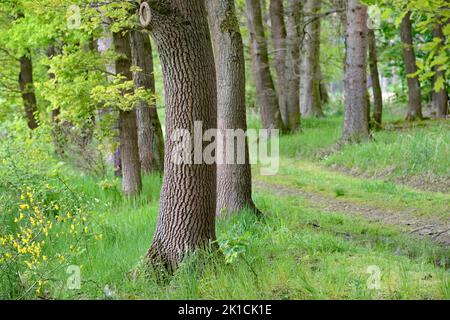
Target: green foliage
44,224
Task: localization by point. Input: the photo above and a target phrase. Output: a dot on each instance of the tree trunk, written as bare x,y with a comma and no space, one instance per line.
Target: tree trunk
278,27
292,67
311,102
234,181
356,124
265,90
414,97
440,98
375,78
129,151
186,218
27,89
150,136
104,44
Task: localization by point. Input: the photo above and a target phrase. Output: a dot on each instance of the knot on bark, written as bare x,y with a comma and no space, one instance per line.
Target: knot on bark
145,14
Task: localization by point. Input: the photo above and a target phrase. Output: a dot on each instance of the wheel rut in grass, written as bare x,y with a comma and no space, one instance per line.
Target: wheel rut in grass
433,228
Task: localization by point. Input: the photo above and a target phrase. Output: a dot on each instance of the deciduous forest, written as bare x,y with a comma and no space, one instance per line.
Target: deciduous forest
221,149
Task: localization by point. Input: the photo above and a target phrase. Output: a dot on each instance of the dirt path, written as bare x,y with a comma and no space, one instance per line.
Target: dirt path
425,227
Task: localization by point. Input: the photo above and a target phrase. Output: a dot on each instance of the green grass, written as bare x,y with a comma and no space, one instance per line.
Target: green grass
408,152
294,253
314,178
298,251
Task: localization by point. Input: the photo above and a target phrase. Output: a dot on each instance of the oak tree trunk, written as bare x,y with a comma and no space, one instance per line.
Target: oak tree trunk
414,96
440,98
375,78
234,181
150,136
265,89
27,89
356,124
129,151
186,219
311,102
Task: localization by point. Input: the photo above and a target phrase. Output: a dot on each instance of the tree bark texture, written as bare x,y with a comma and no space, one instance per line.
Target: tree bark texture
440,98
414,96
27,89
278,33
129,151
234,181
375,78
150,136
265,89
291,113
356,124
186,219
311,102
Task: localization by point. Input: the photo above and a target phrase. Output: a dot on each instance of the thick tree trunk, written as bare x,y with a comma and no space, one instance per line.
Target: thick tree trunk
265,89
150,136
27,89
234,181
414,97
440,98
356,124
129,151
291,115
186,218
311,102
278,28
375,78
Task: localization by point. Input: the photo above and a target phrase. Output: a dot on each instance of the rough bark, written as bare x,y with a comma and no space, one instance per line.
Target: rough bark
440,98
265,89
375,79
150,136
104,44
311,102
129,151
356,124
414,96
291,114
27,89
234,181
278,28
186,219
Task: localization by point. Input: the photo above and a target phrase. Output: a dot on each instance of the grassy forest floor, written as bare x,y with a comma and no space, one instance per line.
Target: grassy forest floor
337,219
333,215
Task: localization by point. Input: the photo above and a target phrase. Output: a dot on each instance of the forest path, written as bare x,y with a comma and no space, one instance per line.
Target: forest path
415,218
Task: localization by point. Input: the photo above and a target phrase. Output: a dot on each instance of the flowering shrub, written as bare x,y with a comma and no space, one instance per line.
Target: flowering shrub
44,225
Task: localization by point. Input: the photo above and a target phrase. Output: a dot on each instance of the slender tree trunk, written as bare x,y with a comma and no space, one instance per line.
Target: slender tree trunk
265,89
129,151
440,98
186,218
234,181
150,136
278,28
27,89
324,96
59,138
292,66
356,124
375,78
414,97
104,44
311,103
